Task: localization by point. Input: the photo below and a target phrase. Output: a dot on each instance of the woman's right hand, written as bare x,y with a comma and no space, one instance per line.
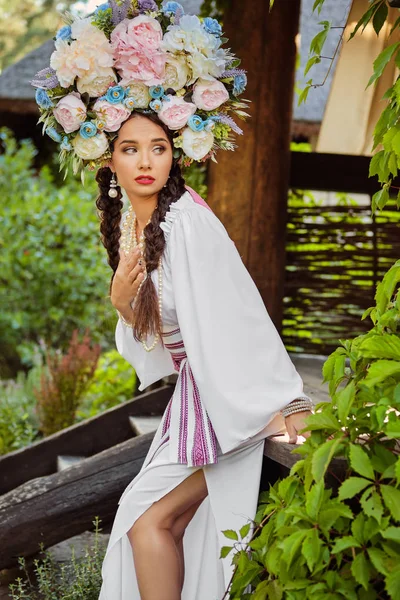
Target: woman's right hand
127,279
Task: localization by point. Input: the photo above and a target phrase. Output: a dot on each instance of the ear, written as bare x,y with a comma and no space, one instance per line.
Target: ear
110,165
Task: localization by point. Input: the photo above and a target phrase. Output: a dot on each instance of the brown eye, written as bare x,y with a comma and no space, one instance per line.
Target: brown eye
159,149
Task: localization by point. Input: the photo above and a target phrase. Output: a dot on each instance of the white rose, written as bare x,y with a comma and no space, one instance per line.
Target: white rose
96,85
140,93
174,39
197,144
176,72
90,148
206,68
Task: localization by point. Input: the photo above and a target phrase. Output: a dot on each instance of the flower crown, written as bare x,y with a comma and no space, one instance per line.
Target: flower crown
137,55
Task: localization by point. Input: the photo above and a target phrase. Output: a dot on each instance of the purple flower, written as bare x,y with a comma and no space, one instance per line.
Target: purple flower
232,73
45,79
147,5
119,12
228,121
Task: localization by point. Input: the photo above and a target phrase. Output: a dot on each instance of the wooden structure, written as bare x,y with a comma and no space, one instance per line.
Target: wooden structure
56,507
335,254
83,439
248,189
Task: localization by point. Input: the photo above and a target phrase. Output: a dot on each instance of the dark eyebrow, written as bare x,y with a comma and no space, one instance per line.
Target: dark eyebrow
135,142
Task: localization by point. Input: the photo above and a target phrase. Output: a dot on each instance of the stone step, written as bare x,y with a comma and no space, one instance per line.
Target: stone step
141,425
66,460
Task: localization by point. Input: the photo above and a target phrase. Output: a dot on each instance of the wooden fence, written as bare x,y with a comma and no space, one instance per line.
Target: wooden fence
336,255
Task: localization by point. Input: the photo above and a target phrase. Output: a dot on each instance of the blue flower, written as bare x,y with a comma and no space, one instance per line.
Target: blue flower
156,91
209,125
88,129
104,6
156,105
53,133
196,123
115,94
64,33
212,26
130,102
65,145
42,98
172,8
239,84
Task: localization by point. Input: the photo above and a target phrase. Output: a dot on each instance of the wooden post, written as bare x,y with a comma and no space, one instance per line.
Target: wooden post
248,188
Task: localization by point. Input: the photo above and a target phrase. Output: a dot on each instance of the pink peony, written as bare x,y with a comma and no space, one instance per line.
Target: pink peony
209,95
141,67
70,112
111,114
136,50
146,32
176,112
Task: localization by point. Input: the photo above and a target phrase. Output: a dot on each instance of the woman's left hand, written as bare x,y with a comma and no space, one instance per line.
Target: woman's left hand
294,423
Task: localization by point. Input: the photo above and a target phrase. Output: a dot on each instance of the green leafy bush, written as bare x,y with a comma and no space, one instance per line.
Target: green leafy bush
54,275
317,540
18,422
78,579
113,382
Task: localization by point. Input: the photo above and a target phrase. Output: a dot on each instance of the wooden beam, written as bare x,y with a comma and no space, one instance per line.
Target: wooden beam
248,188
83,439
54,508
333,172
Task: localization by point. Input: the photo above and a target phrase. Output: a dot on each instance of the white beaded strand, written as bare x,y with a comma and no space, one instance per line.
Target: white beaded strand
129,239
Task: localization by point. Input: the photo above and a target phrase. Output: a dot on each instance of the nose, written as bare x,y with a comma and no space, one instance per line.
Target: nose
145,161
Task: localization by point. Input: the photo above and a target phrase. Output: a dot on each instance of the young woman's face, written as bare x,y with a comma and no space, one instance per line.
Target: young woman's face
142,157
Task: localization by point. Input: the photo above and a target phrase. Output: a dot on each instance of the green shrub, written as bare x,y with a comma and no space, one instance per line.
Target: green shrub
19,424
113,382
78,579
317,540
54,275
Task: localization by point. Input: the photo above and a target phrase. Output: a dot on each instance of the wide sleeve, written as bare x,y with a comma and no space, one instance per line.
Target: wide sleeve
242,369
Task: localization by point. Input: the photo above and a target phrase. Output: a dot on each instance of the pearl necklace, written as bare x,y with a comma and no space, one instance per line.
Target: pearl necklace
129,239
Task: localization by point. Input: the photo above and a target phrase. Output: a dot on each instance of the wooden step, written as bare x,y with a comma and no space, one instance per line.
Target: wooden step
141,425
82,439
54,508
64,461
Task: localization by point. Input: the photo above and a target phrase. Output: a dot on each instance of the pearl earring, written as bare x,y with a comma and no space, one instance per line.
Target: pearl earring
112,192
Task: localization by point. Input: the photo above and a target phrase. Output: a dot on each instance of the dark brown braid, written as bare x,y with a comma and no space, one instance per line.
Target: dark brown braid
146,317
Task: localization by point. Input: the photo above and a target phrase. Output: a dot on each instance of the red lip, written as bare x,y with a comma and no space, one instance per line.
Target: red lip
145,179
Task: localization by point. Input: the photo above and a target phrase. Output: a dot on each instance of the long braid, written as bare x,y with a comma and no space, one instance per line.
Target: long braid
146,317
110,215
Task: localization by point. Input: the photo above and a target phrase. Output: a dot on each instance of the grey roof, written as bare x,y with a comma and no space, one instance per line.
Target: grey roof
14,81
335,11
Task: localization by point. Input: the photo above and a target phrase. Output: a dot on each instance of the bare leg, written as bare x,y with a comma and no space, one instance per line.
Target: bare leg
156,536
178,531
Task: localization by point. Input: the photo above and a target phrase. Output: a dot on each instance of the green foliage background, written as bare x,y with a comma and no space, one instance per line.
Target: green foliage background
54,275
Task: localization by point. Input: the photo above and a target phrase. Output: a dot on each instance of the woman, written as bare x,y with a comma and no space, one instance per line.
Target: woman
137,90
219,337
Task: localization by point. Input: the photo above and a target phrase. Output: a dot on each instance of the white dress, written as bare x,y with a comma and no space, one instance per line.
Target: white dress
234,376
